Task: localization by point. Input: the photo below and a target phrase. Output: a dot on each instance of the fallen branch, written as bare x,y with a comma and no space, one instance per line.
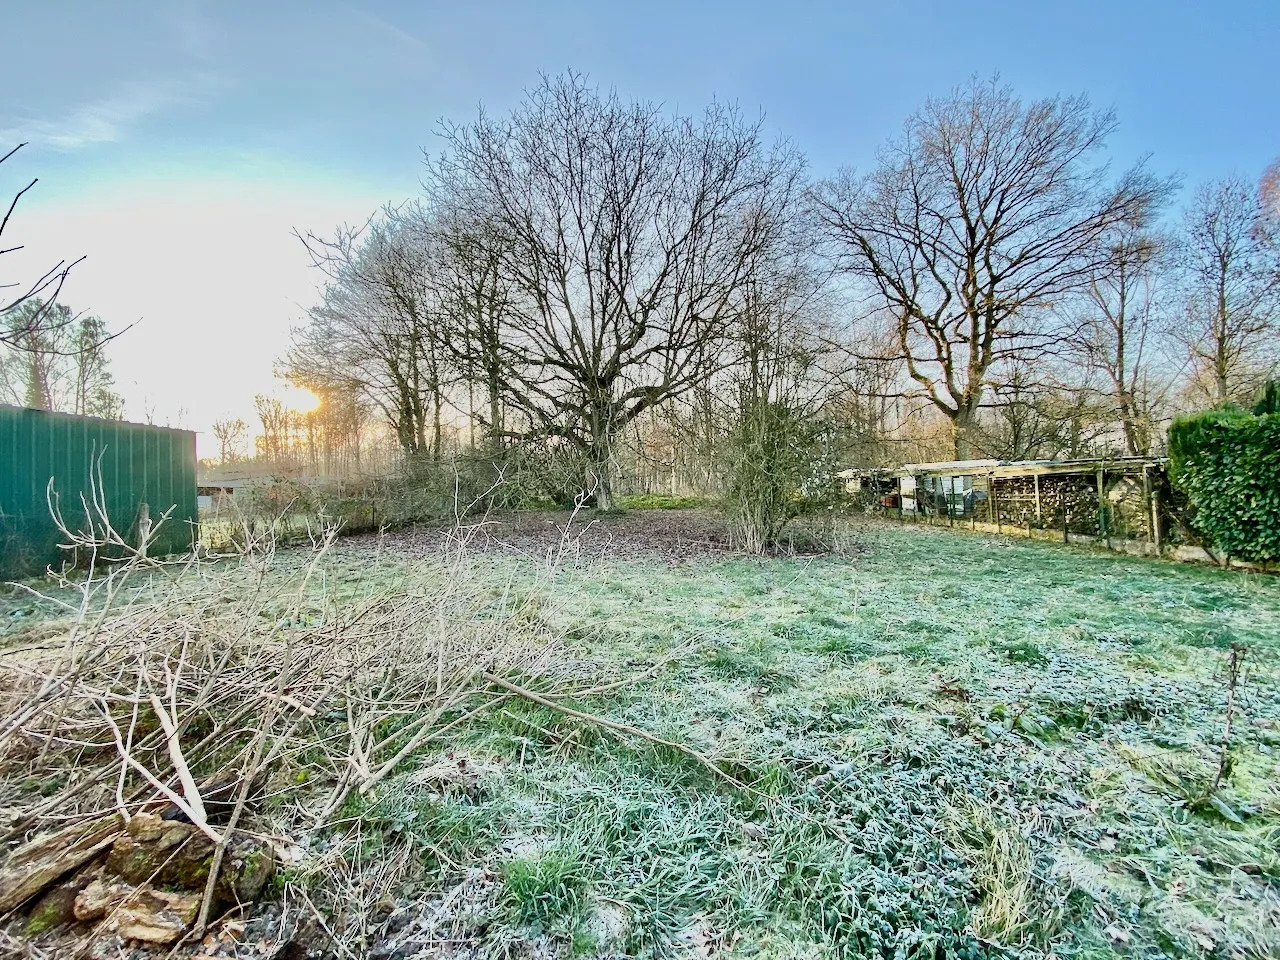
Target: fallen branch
622,728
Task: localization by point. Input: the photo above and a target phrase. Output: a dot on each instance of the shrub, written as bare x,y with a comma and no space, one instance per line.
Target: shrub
1268,398
1227,463
780,468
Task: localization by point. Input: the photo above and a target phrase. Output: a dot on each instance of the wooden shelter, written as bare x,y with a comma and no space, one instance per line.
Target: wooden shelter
1115,497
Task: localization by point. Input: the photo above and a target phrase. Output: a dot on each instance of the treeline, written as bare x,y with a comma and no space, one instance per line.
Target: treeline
338,438
669,302
52,358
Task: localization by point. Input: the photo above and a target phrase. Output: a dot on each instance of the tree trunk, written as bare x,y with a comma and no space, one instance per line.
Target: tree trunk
599,476
961,428
495,408
1129,424
437,437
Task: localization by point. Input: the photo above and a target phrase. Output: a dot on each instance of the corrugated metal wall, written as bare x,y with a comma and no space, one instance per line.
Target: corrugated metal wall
138,464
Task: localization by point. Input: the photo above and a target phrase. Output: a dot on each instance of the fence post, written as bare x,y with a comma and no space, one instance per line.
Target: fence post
1102,507
1155,517
1068,485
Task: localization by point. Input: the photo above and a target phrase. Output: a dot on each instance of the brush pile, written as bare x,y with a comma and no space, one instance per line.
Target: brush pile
196,723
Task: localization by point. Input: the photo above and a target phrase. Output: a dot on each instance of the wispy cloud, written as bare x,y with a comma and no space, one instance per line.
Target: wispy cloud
108,119
389,29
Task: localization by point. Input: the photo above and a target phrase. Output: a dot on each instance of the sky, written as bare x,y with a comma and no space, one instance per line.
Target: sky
179,144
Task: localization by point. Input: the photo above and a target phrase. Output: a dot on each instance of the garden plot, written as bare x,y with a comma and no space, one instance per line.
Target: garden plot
938,744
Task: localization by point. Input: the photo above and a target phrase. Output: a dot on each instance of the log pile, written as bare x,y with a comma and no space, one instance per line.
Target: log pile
142,881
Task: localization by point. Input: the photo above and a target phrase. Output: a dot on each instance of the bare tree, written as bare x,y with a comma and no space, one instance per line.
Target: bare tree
477,296
1268,227
274,444
981,216
43,290
231,434
1118,328
625,235
1232,276
868,403
1036,413
94,393
380,330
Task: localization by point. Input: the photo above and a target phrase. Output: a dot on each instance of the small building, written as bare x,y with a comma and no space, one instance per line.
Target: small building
1120,497
93,472
216,493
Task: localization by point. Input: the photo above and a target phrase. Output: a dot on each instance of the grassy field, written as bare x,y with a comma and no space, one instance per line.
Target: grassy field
934,744
952,745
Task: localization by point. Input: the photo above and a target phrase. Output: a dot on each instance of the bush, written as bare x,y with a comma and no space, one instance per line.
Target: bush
779,470
1227,462
1268,398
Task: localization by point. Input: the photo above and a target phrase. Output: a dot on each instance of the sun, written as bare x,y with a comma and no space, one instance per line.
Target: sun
300,399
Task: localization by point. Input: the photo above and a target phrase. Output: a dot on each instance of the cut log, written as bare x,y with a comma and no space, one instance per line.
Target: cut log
172,853
137,913
37,865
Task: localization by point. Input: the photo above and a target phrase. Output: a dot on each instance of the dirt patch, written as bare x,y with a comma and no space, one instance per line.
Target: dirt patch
675,536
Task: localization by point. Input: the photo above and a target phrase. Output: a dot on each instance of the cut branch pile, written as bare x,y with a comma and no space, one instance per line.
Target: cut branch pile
198,717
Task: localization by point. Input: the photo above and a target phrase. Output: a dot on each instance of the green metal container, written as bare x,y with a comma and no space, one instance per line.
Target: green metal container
126,464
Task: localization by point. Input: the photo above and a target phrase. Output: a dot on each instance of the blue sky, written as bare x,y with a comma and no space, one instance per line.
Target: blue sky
178,142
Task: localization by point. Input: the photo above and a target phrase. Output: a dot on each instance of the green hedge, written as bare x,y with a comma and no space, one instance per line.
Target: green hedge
1227,462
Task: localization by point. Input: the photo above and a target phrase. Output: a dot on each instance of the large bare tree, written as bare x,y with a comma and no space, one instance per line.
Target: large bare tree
983,214
624,233
380,331
1232,276
1119,328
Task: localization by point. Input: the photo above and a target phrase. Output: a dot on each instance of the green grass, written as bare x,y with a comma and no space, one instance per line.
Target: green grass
955,746
545,890
952,745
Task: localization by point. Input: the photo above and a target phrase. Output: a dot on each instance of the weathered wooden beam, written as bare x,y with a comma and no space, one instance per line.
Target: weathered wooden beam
1156,532
36,865
1102,505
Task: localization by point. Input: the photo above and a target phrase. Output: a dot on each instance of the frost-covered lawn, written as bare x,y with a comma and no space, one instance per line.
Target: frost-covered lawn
937,744
951,742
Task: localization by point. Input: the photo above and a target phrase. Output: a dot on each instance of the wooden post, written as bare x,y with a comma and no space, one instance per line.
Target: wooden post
1102,506
1039,512
1146,500
1066,507
996,506
1155,517
947,492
